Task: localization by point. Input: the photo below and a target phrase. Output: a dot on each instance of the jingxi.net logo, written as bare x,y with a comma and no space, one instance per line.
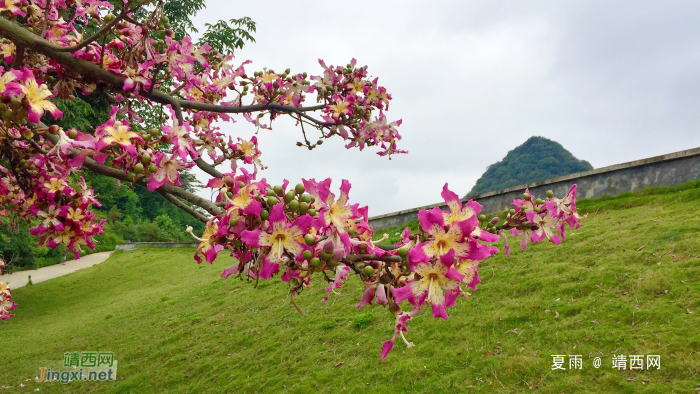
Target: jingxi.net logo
81,366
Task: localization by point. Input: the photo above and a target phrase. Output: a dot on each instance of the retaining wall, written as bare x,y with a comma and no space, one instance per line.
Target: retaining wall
136,245
666,170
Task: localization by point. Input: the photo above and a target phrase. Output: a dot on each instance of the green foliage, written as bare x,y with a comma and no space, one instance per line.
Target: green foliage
16,248
535,160
224,38
596,294
180,14
83,112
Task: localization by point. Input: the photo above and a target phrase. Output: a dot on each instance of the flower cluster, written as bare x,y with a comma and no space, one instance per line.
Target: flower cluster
35,182
537,220
6,304
126,54
297,232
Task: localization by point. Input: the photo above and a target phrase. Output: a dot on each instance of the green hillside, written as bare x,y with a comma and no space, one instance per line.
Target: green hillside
626,283
535,160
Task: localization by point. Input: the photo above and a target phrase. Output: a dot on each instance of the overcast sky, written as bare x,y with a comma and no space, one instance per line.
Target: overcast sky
611,81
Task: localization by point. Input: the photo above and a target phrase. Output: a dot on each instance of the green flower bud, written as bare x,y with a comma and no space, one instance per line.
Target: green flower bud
264,214
312,212
303,207
146,159
229,194
526,197
289,197
315,262
241,185
538,209
278,190
512,212
138,168
271,193
154,132
403,252
233,222
294,205
238,243
369,270
306,254
325,256
299,188
362,247
153,168
482,217
309,239
539,201
306,198
550,194
72,133
271,201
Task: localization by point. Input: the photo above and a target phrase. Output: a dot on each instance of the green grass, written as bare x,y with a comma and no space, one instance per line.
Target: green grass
176,326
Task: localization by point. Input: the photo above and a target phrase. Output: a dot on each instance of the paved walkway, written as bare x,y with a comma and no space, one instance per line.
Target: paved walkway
19,279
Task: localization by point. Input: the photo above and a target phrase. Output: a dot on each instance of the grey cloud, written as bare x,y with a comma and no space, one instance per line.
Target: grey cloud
611,81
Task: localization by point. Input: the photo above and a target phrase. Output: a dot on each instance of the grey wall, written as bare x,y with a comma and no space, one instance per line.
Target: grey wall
667,170
136,245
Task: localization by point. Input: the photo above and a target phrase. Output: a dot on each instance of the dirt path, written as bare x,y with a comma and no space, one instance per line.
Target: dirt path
19,279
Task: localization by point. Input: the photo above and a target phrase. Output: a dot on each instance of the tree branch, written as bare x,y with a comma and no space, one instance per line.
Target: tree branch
365,257
175,201
101,169
92,71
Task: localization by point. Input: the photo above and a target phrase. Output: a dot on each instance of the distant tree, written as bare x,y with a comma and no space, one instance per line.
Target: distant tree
537,159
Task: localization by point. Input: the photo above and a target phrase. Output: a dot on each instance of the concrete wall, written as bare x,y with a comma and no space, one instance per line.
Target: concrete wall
136,245
667,170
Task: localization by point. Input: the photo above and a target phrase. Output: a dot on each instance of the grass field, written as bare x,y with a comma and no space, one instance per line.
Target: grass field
627,282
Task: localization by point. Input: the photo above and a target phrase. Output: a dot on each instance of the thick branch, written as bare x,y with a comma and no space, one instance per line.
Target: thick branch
94,72
365,257
166,188
171,189
175,201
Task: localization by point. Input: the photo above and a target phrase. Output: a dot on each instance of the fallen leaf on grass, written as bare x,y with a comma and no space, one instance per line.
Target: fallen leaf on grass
339,364
547,311
642,247
688,311
556,314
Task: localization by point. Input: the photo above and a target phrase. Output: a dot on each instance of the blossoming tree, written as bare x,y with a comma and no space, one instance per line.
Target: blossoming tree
125,51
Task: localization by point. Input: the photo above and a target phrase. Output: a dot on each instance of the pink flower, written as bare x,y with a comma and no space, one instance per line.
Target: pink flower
401,319
168,171
36,95
208,246
438,285
455,238
547,223
372,291
281,239
341,274
7,86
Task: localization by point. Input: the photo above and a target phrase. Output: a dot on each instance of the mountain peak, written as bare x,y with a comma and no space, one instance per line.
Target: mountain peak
536,159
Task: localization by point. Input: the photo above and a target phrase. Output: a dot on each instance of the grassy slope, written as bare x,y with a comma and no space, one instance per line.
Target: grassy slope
175,326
